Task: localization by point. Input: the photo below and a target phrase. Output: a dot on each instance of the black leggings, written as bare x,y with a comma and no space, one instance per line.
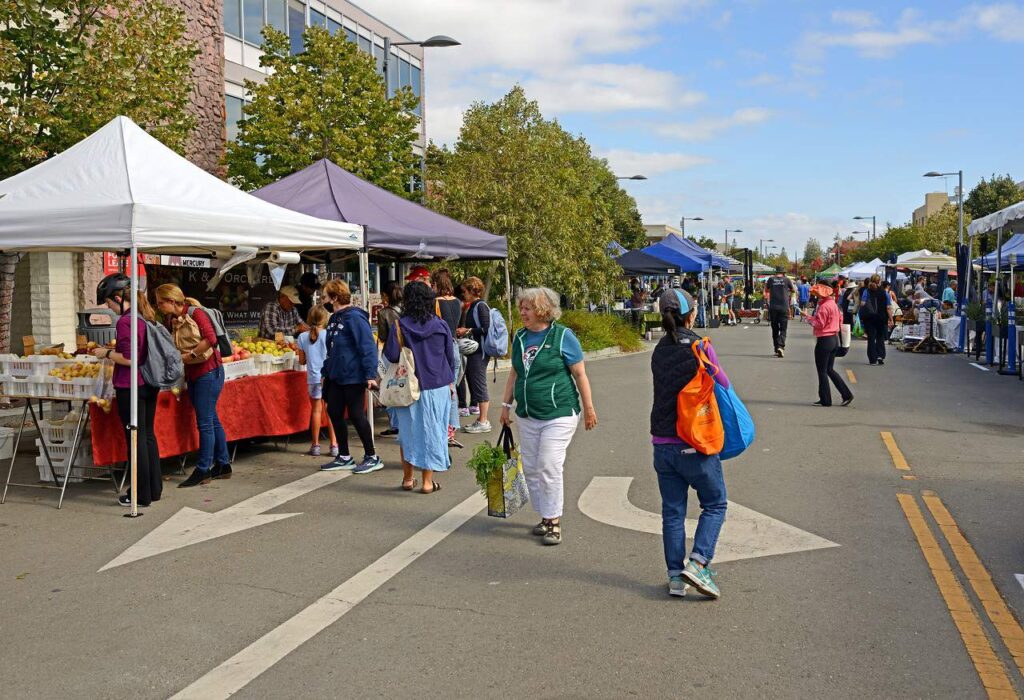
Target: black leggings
824,361
149,476
877,329
350,397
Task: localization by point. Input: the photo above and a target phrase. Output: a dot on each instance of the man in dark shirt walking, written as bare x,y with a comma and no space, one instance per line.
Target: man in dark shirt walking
779,291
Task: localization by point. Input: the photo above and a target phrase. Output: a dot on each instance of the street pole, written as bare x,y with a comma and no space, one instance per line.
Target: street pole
682,225
962,287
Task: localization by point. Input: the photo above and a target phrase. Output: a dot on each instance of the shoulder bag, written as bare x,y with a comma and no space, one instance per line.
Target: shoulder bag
399,386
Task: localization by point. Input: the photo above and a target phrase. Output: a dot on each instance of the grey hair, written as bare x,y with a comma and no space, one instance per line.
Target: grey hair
544,301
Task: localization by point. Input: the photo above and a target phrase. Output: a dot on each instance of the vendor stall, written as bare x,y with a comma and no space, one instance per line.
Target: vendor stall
122,190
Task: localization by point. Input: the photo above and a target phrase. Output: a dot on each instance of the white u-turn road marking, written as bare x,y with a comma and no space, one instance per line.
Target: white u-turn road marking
238,671
746,534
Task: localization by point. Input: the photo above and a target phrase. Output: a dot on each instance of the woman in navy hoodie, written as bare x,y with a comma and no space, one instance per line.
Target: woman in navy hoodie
423,426
350,368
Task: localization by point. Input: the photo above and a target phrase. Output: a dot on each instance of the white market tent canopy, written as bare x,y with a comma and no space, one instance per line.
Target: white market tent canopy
120,188
863,270
911,254
1011,217
932,262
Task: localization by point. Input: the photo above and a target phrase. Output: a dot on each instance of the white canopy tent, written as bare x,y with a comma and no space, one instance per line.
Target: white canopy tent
1011,217
864,270
911,254
932,262
121,189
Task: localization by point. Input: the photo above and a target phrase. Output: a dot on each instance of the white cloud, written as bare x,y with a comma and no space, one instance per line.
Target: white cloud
761,80
704,129
860,19
625,163
1004,21
609,88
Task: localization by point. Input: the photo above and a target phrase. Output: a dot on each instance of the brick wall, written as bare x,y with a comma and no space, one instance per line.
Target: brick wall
205,27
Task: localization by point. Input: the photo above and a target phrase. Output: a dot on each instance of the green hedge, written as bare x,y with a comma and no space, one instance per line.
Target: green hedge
597,331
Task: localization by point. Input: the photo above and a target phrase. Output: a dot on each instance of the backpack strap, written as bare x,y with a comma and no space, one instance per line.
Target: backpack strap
398,334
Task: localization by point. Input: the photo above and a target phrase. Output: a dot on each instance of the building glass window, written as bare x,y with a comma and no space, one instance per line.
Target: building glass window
277,15
233,18
233,111
351,35
333,27
296,25
405,79
378,55
252,15
316,18
417,78
365,45
393,74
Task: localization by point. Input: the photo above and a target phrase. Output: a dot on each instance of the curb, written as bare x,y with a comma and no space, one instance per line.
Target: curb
602,354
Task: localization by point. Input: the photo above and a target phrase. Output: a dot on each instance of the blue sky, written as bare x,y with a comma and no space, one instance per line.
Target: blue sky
783,118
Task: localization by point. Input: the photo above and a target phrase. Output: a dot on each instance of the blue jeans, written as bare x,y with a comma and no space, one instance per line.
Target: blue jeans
392,417
677,472
213,444
453,416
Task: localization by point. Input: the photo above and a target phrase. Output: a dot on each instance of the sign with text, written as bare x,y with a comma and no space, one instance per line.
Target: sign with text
241,303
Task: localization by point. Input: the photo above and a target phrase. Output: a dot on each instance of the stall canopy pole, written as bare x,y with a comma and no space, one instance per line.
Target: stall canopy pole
508,291
133,422
1011,327
364,263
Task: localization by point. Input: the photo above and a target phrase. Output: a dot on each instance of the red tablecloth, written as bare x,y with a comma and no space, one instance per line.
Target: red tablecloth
273,404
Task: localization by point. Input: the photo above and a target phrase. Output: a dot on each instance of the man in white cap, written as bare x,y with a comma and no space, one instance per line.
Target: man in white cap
282,315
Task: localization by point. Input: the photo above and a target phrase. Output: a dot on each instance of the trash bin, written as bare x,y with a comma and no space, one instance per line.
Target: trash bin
99,333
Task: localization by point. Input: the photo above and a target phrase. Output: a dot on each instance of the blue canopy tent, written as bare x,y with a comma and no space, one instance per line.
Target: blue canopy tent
615,249
1014,246
690,247
637,262
684,261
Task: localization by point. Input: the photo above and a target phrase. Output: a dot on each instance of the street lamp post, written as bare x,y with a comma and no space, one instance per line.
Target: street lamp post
760,246
725,248
630,177
684,219
963,285
865,218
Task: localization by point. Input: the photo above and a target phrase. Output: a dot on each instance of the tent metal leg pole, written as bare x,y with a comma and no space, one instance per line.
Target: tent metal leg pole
364,261
508,290
133,423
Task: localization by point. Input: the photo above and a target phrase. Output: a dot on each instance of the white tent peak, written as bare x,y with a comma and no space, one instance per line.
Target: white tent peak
120,186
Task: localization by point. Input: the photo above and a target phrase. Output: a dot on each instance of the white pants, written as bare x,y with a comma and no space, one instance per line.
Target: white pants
542,445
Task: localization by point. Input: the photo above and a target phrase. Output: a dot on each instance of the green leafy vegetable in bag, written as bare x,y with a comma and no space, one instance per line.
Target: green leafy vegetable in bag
486,460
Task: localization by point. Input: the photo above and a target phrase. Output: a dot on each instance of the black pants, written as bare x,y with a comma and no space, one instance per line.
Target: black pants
350,397
824,361
877,329
149,476
779,321
476,378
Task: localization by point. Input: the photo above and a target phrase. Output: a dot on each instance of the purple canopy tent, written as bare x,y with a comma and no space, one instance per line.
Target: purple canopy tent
395,227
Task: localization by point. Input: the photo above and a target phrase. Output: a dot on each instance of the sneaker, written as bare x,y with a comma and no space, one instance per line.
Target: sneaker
781,352
220,471
334,450
464,412
541,528
553,535
677,586
478,427
701,578
474,410
198,476
126,501
390,432
314,451
369,464
337,464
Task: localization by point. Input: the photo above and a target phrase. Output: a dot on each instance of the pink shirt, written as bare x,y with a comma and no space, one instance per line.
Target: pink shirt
826,319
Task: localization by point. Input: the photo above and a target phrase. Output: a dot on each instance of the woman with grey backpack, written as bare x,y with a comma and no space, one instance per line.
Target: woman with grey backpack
478,321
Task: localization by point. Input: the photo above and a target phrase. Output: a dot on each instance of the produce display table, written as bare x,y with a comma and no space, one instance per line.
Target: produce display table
263,406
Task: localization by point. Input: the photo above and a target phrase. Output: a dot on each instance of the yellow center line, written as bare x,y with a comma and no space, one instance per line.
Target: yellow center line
851,376
988,666
898,460
977,575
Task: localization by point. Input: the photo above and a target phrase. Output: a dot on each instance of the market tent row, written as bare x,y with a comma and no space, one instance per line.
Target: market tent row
929,262
1011,218
685,263
393,224
863,270
830,272
1014,246
636,262
687,245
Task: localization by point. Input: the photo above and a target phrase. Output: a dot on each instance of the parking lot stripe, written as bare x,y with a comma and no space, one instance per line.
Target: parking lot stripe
898,460
242,668
977,575
988,666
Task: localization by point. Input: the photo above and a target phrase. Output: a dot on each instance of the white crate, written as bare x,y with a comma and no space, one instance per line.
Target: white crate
78,389
7,436
31,366
239,368
56,432
26,388
77,473
60,453
269,364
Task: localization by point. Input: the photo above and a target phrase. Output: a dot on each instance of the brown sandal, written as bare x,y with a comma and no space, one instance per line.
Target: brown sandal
411,484
434,488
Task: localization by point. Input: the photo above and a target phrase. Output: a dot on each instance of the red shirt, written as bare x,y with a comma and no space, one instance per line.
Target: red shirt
826,319
206,331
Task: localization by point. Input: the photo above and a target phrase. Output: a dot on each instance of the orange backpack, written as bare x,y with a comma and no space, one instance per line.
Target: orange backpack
698,421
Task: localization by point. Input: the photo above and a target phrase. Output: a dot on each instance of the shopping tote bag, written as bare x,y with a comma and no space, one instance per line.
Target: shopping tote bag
698,422
737,425
399,386
506,488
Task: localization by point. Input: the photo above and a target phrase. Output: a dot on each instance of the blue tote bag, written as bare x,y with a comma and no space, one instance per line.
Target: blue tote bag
736,421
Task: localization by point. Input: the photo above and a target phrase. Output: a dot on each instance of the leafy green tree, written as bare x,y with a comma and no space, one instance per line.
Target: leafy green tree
812,251
67,67
990,196
706,242
326,102
519,175
620,208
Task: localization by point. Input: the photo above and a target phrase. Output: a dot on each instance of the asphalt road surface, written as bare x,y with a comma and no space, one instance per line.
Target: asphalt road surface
899,578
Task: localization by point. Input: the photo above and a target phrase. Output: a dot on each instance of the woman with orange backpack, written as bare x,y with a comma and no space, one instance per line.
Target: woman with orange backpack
679,465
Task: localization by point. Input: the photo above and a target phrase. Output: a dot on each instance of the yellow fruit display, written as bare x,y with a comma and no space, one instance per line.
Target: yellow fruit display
264,347
76,371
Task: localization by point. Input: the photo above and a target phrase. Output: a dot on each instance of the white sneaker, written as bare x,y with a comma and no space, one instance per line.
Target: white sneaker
478,427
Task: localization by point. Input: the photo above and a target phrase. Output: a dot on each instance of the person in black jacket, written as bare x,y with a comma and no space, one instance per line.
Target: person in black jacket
876,319
478,322
679,466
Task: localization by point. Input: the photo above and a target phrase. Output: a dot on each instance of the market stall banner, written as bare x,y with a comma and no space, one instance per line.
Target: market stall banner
265,406
241,302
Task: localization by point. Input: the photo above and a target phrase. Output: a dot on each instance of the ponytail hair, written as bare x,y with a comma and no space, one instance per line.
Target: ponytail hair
672,321
316,320
144,307
875,280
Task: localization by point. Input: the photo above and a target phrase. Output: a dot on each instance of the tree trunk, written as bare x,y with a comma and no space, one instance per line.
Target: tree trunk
8,264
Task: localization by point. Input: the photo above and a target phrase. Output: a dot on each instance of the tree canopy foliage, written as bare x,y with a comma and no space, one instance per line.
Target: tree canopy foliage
939,233
812,251
326,102
67,67
990,196
519,175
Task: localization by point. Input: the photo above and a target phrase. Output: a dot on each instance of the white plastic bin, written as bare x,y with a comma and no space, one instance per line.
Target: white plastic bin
7,436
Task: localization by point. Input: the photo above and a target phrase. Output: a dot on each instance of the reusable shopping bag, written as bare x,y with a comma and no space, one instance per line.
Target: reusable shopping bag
844,340
737,425
399,386
187,337
506,488
698,421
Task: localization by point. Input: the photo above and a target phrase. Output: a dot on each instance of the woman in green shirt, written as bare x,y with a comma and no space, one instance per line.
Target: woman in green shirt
549,383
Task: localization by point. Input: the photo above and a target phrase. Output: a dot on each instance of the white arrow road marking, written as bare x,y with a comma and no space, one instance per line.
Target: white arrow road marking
1020,579
746,534
238,671
191,526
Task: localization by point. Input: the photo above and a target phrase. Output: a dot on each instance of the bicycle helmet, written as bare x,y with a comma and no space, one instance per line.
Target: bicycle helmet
111,285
